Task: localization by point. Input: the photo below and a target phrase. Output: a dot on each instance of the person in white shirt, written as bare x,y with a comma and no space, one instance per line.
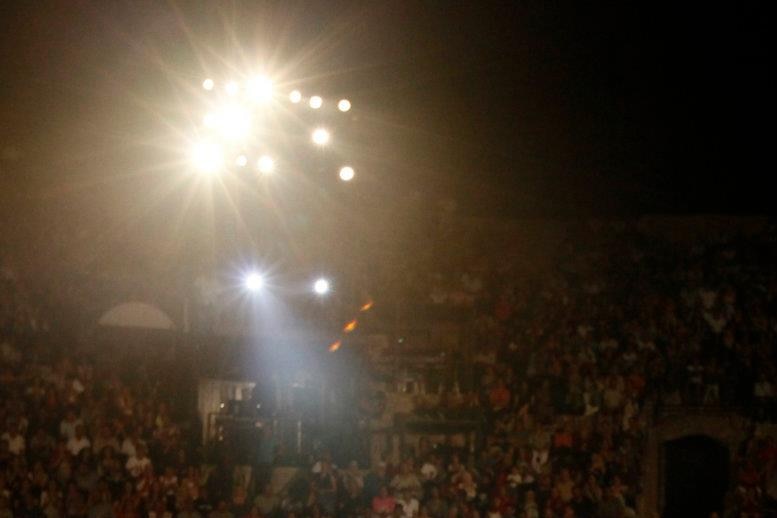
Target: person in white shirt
409,504
67,427
129,445
138,463
429,470
78,442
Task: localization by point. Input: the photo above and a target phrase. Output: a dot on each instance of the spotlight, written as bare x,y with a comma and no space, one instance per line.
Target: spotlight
241,161
260,89
321,286
210,120
207,157
344,105
266,164
316,102
234,122
254,282
320,136
347,173
295,96
232,88
208,84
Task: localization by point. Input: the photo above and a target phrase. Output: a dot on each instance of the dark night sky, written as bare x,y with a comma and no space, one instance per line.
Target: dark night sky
522,108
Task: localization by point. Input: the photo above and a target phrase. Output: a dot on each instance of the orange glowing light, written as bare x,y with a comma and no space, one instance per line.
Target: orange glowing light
366,307
350,326
335,346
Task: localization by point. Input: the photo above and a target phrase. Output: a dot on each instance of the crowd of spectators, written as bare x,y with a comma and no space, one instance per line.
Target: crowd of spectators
86,432
574,366
571,367
754,489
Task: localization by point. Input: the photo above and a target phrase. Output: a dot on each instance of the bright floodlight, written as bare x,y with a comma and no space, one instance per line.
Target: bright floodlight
320,136
241,161
321,286
344,105
347,174
207,157
234,122
254,282
260,89
208,84
316,102
232,88
295,96
210,120
266,164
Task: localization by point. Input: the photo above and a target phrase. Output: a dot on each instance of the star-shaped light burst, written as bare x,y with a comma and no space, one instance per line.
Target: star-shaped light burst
237,120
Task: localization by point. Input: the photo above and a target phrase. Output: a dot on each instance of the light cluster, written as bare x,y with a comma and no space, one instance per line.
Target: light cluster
253,281
238,133
238,113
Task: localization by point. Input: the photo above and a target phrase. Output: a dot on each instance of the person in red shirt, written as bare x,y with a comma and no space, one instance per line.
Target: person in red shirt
499,396
383,503
563,438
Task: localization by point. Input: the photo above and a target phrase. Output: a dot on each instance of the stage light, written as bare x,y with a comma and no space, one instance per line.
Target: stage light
320,136
234,122
208,84
344,105
241,161
295,96
316,102
207,157
210,120
266,164
260,89
347,174
232,88
321,286
254,282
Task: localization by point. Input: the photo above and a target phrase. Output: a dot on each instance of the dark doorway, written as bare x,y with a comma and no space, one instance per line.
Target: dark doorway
696,476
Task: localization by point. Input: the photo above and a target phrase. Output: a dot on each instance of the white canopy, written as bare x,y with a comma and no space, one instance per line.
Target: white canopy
136,314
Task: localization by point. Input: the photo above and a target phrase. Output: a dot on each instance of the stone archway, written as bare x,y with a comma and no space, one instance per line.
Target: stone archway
726,429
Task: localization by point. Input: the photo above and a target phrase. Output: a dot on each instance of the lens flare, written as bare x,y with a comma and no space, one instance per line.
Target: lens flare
316,102
350,326
234,122
295,96
207,157
241,161
260,89
210,120
335,346
367,306
232,88
208,84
